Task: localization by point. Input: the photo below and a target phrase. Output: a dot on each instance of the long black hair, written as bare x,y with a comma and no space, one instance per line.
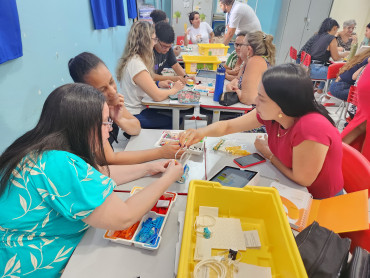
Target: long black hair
70,120
327,25
290,86
82,64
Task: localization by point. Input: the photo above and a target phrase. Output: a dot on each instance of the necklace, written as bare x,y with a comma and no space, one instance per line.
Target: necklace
281,135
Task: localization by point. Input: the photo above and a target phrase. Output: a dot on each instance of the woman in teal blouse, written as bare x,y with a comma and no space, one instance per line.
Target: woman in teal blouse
52,189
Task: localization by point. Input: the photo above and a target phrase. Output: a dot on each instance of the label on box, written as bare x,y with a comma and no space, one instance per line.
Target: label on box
252,239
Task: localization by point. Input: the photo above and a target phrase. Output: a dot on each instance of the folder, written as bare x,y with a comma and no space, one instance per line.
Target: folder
344,213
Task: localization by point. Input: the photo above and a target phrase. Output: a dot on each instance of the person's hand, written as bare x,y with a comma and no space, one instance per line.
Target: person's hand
262,146
177,50
174,169
192,77
157,167
170,149
165,84
180,78
116,110
187,32
190,137
354,38
340,49
178,85
231,87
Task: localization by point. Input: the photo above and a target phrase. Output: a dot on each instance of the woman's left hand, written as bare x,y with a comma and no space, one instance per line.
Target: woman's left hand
165,84
262,146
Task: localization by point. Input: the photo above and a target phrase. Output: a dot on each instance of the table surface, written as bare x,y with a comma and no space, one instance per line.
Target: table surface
98,257
216,160
205,101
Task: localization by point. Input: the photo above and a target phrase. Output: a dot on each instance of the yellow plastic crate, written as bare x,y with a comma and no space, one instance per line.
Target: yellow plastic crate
194,63
258,208
208,49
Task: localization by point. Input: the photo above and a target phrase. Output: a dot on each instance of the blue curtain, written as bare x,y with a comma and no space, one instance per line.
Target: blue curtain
131,9
108,13
10,31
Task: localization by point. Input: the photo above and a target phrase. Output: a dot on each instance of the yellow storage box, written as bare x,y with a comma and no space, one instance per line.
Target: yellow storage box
208,49
194,63
258,208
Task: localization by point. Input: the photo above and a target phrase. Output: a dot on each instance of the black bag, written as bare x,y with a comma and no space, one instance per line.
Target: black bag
359,267
229,98
323,252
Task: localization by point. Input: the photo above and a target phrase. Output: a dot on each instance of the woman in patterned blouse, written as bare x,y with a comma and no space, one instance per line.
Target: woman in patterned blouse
52,187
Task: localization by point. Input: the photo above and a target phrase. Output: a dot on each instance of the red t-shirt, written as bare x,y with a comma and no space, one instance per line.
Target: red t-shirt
317,128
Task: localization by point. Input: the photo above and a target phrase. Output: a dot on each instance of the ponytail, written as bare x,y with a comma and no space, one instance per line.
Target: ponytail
262,45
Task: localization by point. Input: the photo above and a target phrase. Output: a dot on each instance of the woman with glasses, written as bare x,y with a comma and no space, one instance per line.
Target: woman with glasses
53,187
199,32
89,69
258,53
303,142
135,71
347,36
234,62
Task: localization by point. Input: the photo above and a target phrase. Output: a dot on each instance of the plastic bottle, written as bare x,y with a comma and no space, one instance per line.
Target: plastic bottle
220,79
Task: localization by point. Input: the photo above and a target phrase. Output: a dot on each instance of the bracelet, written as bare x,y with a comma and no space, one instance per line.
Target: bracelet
186,75
157,83
271,156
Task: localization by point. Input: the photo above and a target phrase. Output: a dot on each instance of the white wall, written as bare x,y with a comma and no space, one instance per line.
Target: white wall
358,10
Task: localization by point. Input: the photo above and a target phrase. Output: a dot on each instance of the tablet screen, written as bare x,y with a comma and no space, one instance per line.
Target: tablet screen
234,177
206,74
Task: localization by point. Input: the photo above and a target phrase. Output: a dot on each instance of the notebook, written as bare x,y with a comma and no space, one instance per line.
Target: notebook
344,213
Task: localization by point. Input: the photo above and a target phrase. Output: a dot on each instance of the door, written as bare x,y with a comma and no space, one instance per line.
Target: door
299,20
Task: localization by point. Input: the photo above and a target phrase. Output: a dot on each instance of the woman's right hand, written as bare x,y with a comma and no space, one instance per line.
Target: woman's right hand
178,85
190,137
174,169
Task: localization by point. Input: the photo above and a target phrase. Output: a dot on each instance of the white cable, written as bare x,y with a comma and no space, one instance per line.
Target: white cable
217,266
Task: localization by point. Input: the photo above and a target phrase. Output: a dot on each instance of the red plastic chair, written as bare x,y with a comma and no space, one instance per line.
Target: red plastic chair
351,99
356,170
356,174
293,54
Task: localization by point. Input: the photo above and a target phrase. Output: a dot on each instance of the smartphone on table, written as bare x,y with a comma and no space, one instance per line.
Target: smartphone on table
249,160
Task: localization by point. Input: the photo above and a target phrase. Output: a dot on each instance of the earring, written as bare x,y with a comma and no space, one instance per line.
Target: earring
280,115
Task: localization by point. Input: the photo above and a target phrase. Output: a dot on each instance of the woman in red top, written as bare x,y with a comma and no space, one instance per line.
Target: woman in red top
355,132
303,142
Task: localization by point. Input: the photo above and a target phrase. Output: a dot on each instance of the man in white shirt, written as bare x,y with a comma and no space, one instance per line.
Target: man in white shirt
239,18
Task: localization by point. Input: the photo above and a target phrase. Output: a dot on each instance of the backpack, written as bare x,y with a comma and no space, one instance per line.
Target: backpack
324,253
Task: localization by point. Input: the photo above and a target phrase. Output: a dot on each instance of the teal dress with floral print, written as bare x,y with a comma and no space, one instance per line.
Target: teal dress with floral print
41,212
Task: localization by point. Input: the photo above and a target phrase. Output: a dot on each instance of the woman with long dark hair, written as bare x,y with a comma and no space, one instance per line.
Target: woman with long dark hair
52,187
302,142
322,46
90,69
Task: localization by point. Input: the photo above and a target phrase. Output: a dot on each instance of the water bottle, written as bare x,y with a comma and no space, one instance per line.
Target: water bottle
220,79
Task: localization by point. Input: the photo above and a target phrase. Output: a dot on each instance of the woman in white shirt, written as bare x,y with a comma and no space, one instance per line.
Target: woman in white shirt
134,73
199,32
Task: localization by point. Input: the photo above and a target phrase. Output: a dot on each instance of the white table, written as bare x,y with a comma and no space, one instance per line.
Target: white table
166,104
216,160
205,102
99,257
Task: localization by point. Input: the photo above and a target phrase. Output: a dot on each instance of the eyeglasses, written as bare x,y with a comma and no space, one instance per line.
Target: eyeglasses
155,39
165,46
351,28
236,45
109,123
